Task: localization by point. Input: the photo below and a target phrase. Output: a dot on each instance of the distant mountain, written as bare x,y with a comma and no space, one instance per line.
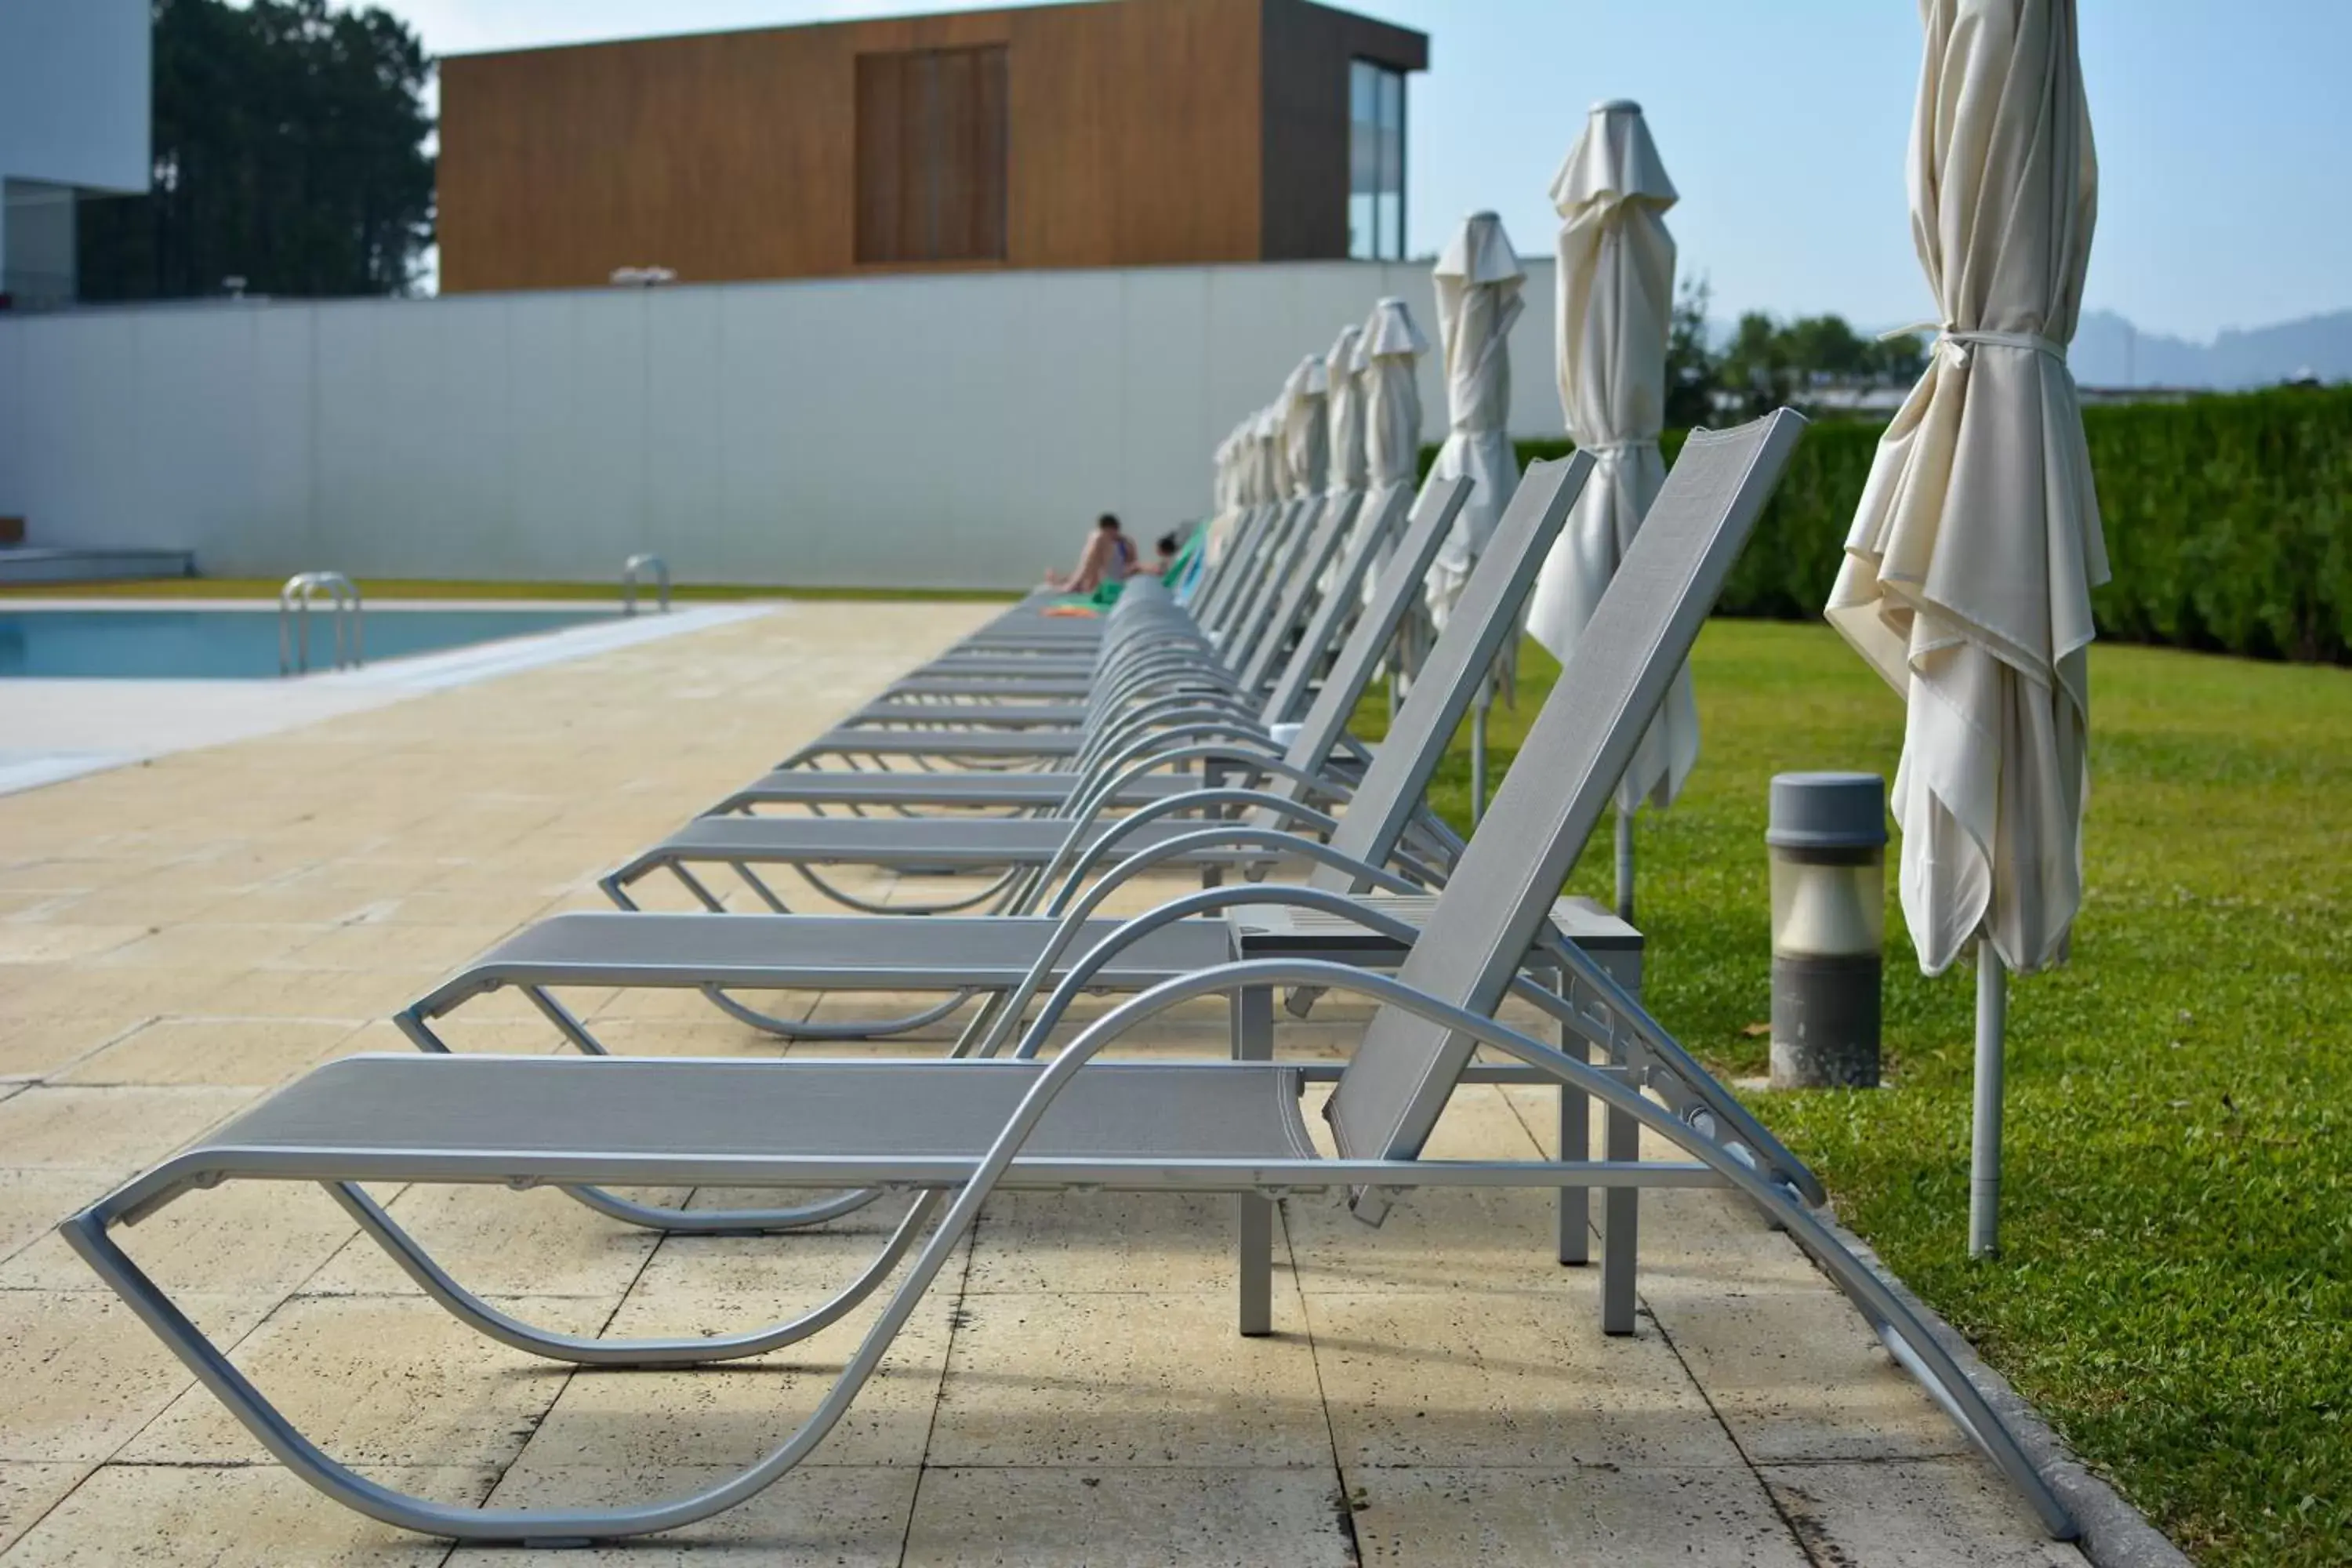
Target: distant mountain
2110,351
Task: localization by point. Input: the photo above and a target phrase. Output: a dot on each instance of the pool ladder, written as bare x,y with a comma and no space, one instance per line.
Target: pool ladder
294,621
630,570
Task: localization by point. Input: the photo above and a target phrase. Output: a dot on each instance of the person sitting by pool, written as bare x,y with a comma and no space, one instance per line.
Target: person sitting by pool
1108,557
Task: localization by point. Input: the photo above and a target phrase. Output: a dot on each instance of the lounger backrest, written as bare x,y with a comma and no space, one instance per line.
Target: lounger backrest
1484,618
1305,529
1322,545
1351,667
1501,890
1284,536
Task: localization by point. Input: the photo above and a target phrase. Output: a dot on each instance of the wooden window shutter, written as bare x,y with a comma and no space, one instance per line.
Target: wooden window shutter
931,149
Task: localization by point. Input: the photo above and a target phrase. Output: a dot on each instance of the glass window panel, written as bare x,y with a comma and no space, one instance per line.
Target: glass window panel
1375,161
1363,157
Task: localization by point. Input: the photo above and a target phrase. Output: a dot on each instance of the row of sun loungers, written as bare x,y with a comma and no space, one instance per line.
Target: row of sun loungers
1054,761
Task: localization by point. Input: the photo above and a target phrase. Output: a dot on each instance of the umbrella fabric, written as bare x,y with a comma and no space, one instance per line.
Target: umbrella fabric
1306,428
1478,280
1388,357
1968,569
1344,405
1616,284
1343,401
1232,489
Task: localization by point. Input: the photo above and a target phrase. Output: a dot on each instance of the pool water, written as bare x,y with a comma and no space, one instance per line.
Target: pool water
237,645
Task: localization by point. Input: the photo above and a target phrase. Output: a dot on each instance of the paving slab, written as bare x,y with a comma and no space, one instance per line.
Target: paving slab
1599,1513
224,1514
1063,1379
1114,1518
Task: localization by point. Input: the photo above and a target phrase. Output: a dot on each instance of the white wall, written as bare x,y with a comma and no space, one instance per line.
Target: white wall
934,431
74,93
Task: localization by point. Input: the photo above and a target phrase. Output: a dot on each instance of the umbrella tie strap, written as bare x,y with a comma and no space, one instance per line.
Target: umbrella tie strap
1602,450
1961,340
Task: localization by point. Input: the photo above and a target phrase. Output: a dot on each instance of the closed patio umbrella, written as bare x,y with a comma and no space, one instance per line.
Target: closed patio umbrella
1616,286
1969,571
1306,428
1388,358
1343,407
1272,454
1477,279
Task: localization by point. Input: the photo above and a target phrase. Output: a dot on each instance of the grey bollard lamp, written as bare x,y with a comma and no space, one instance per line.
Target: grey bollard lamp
1827,840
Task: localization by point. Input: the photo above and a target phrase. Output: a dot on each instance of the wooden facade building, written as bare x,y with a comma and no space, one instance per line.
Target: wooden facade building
1118,133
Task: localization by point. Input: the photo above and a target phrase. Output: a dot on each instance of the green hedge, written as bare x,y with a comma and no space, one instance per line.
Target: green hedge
2229,521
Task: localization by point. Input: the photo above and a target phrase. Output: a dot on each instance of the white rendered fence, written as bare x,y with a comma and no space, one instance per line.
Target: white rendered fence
937,431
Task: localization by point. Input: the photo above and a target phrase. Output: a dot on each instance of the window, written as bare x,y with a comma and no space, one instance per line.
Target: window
1375,161
930,155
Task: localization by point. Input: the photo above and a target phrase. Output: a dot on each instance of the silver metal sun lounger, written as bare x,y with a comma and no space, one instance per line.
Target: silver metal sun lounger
957,1131
1042,847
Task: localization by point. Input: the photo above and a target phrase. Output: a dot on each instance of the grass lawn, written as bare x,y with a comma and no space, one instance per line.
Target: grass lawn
451,588
2176,1289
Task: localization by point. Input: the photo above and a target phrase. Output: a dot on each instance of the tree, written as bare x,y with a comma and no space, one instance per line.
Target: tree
289,151
1757,368
1768,363
1690,358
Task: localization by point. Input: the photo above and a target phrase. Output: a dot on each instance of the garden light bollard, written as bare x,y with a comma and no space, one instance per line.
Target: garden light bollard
1828,844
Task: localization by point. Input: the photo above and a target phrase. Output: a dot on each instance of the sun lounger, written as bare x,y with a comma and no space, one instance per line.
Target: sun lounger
958,1131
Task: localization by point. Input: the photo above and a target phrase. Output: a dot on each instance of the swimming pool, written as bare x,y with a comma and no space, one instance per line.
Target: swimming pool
238,644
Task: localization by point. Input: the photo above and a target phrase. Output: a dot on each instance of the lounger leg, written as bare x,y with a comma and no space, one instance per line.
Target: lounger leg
1253,1216
1620,1210
568,1025
766,894
1575,1144
709,900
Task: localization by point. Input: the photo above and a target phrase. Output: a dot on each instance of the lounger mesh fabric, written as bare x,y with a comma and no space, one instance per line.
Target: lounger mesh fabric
594,948
728,1111
1486,613
1502,888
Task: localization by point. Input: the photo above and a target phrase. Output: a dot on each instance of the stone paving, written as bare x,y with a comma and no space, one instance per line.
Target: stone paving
175,938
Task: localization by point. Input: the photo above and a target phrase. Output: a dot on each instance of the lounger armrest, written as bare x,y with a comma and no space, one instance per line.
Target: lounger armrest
1089,855
1093,762
1252,762
1073,921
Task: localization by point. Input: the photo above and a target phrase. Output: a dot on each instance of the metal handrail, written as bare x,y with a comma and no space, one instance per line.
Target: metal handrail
294,614
629,569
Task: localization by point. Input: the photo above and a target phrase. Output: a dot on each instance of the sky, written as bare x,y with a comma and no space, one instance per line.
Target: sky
2224,129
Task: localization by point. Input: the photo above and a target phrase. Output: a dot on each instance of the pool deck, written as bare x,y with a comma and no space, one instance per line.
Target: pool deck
178,937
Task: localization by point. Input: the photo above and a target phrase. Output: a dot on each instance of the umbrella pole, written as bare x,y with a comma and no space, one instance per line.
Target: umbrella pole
1624,865
1984,1159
